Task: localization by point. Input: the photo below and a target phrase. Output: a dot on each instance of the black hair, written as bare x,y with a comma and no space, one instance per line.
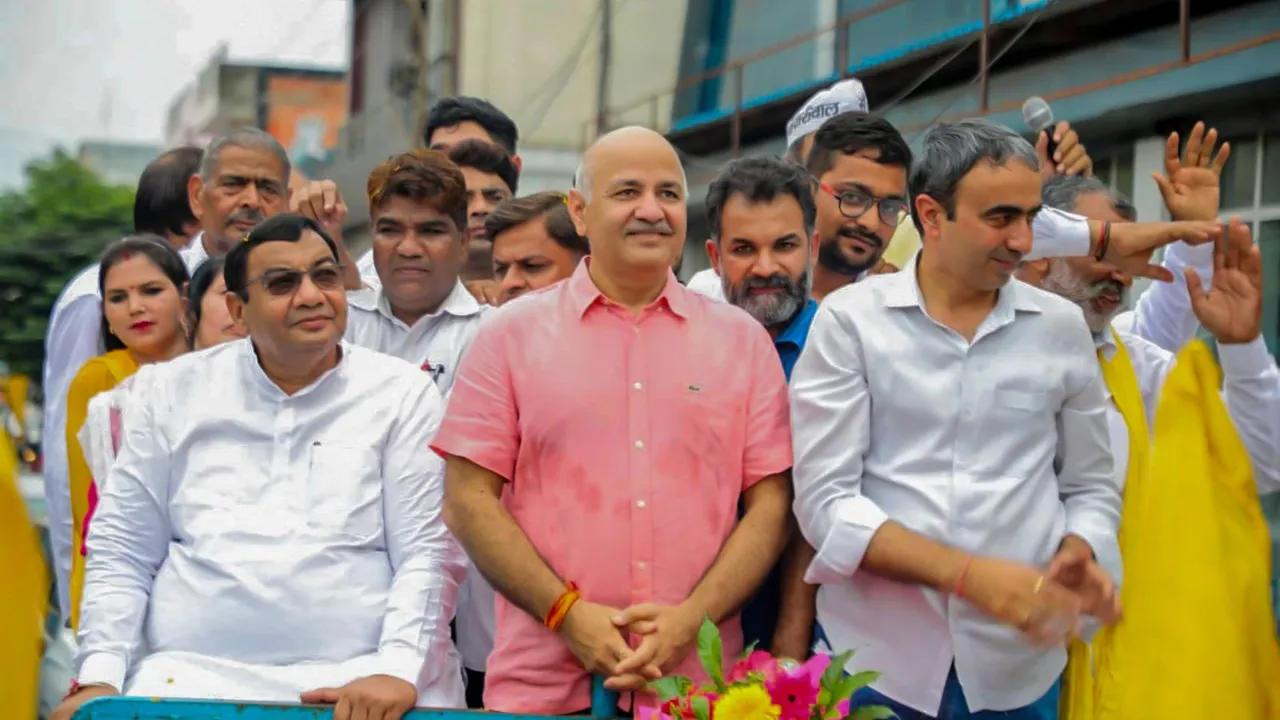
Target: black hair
154,248
852,132
760,179
285,227
486,158
161,205
201,280
451,111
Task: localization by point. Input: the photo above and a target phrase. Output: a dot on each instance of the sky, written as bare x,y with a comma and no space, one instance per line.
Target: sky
74,70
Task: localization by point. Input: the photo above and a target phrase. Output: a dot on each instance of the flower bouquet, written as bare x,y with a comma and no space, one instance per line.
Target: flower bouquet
759,686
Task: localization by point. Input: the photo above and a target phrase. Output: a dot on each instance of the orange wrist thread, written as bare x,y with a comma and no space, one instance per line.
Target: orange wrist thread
964,570
560,608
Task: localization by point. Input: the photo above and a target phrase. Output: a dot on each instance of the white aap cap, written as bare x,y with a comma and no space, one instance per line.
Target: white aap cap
845,96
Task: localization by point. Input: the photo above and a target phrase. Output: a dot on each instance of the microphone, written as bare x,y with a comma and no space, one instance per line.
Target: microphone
1039,117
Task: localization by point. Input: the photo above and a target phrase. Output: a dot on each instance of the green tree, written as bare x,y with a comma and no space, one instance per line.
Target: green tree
49,231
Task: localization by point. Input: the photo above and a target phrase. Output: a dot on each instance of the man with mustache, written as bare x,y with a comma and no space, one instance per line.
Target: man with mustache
763,245
600,436
420,311
243,179
950,441
271,530
1230,311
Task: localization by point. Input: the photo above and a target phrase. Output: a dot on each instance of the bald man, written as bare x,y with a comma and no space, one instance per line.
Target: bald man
646,412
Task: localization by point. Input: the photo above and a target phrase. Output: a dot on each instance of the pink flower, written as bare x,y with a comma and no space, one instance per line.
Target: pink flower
758,661
795,693
645,712
813,668
842,708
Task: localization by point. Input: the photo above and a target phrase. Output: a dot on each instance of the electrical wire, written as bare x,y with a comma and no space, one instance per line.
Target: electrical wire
559,79
987,69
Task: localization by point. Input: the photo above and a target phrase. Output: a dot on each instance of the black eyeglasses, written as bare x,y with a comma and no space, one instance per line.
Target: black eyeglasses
287,282
855,203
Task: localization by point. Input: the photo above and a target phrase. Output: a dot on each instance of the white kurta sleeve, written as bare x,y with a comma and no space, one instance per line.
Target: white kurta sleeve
1251,390
428,563
1056,233
128,543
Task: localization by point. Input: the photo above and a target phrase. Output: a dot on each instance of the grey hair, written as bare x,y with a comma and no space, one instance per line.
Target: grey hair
1065,191
951,150
249,138
583,187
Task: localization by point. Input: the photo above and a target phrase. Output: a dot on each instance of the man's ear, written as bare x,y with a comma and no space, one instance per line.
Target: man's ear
713,254
931,214
578,211
515,160
195,186
235,306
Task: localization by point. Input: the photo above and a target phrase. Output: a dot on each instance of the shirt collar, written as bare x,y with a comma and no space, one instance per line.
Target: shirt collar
1105,342
903,290
583,292
459,302
797,331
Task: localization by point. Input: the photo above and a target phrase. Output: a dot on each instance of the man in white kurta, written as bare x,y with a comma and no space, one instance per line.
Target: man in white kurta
263,535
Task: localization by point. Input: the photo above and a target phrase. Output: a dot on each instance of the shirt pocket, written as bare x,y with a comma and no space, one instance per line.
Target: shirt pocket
709,423
1026,401
344,491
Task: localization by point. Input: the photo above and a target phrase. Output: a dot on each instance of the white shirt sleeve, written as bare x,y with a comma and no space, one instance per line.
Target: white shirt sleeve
429,565
72,341
129,542
1251,390
1059,234
1163,312
707,283
831,421
1086,478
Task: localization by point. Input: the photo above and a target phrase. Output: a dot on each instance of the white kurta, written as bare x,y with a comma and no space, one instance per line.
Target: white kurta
252,545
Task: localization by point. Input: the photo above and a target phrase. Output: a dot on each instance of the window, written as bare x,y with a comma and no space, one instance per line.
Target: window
1115,168
1251,190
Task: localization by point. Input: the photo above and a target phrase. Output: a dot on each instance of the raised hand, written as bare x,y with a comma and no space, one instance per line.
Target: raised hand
1231,310
1069,157
321,201
1132,244
1191,184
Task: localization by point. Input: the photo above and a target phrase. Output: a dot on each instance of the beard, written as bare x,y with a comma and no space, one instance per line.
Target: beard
832,257
770,309
1060,280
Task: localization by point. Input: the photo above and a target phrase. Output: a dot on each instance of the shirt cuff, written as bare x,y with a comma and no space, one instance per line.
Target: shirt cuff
1060,234
1246,360
103,668
406,665
857,520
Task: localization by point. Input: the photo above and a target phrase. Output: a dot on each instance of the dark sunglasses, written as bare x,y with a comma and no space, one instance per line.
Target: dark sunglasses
854,204
287,282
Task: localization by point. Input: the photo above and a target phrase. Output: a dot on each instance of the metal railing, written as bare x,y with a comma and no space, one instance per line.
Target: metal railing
913,25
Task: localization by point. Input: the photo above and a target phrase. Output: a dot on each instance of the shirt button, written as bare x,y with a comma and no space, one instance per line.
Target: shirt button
640,565
640,504
639,444
638,386
635,329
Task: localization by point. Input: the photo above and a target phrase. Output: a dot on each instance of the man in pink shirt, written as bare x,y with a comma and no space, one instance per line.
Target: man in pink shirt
601,433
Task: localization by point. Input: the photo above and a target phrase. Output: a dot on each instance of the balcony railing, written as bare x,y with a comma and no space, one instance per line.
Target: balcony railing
872,37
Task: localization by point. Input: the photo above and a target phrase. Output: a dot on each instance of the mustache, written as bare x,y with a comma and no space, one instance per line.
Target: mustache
636,227
779,281
858,233
252,215
1099,288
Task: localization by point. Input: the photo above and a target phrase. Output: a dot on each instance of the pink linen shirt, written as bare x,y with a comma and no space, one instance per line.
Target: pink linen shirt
626,441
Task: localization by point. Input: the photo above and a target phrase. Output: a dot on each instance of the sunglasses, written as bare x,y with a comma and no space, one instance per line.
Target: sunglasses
854,204
286,282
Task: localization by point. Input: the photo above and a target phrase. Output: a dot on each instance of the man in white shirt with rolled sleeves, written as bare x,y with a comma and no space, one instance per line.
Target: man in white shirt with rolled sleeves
951,444
271,531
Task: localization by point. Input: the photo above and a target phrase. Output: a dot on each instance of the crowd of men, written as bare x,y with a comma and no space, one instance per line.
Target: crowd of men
507,451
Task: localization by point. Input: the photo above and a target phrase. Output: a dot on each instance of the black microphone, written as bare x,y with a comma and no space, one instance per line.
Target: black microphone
1039,117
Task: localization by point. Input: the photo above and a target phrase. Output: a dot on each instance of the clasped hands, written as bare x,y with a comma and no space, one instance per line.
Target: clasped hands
1045,605
632,646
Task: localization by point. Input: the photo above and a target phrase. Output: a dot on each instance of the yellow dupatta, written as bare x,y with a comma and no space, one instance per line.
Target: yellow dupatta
1197,639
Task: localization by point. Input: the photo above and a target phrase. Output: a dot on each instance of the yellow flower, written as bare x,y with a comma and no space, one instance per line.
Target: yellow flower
747,702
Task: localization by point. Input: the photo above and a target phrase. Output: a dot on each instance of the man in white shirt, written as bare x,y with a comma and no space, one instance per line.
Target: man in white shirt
272,524
950,444
1232,315
420,312
160,206
491,178
243,180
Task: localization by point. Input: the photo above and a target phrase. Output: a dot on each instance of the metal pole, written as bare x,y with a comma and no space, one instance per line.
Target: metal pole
606,52
984,53
737,110
842,50
1184,26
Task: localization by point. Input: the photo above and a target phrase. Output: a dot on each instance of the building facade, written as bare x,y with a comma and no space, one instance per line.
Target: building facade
117,162
302,107
540,62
